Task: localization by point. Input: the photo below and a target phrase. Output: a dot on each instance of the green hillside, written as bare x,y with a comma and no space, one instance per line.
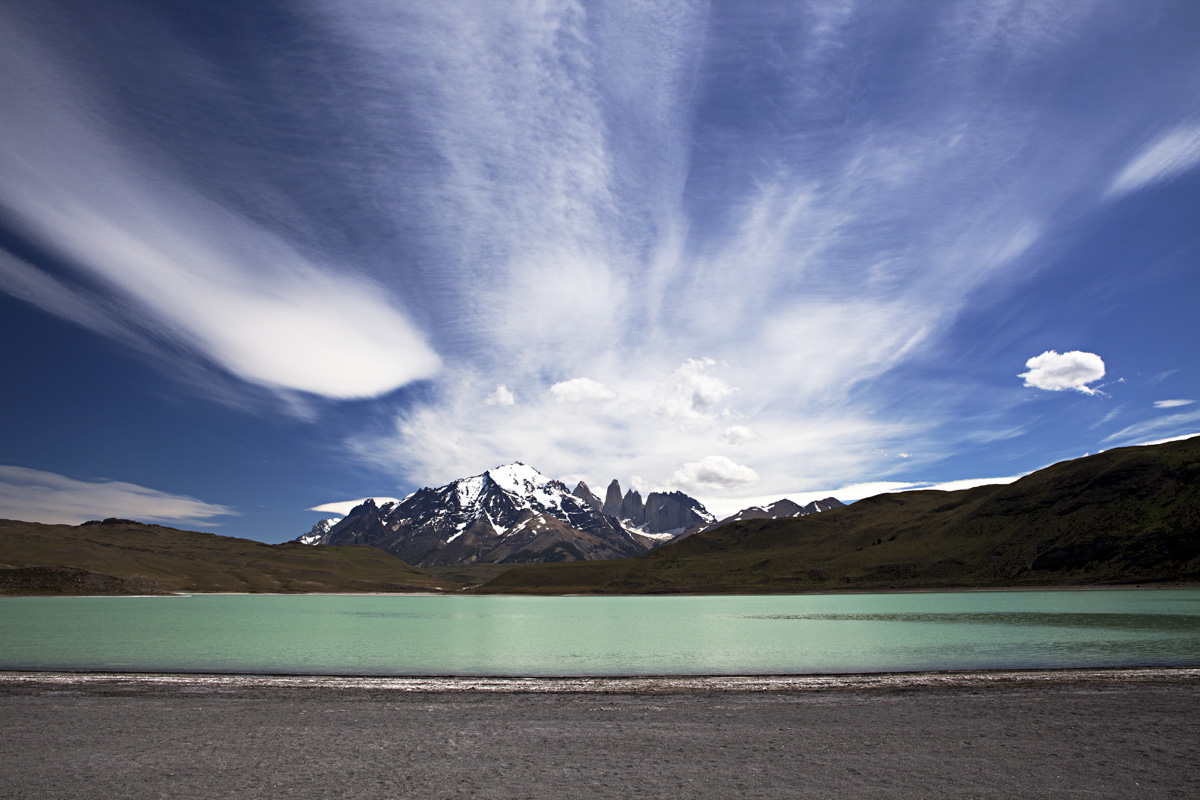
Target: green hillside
124,557
1130,515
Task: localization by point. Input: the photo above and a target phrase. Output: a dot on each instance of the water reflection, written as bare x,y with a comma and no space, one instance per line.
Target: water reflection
1149,622
589,636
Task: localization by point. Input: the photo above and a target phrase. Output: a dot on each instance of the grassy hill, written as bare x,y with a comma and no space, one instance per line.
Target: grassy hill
1130,515
125,557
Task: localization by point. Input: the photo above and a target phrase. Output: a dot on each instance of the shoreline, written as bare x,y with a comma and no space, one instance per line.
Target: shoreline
657,684
1105,587
1107,734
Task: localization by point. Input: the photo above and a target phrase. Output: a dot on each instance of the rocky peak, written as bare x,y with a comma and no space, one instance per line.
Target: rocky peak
585,494
828,504
632,508
783,508
612,500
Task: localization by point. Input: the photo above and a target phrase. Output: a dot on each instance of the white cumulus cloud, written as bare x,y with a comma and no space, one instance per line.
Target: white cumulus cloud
739,434
1056,372
503,396
713,472
34,495
581,390
693,393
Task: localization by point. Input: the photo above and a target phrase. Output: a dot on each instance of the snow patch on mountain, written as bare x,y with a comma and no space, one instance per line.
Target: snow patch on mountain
524,484
319,531
468,490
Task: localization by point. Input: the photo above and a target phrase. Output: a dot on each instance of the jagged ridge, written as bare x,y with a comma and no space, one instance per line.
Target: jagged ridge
513,514
780,509
508,514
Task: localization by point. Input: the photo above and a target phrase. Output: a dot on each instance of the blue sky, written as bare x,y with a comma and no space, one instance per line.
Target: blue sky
256,258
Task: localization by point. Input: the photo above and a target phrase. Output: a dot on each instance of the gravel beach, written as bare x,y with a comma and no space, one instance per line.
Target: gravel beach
1061,734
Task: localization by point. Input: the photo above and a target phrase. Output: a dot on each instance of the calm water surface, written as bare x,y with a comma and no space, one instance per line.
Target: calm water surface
574,636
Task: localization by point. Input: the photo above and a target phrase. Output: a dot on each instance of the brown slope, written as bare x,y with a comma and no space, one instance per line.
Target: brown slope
1124,516
124,557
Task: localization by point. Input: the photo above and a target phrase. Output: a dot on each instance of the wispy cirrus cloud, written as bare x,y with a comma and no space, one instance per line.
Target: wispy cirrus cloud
1168,157
35,495
829,261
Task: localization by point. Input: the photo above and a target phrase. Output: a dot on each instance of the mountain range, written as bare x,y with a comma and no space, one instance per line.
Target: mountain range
510,514
1125,516
513,514
780,509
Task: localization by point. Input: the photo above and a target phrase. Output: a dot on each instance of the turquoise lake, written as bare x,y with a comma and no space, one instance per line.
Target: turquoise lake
598,636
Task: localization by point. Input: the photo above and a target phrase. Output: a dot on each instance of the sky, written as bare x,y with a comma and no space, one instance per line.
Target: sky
257,258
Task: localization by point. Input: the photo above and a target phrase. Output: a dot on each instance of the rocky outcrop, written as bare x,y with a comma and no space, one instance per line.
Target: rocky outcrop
319,532
661,512
582,491
674,511
632,508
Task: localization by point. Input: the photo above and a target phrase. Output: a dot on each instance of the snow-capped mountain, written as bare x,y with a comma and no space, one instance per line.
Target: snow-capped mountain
318,531
508,514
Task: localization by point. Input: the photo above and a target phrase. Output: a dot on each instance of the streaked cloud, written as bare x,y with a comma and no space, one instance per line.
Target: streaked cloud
827,263
1057,372
1172,155
1172,403
35,495
193,277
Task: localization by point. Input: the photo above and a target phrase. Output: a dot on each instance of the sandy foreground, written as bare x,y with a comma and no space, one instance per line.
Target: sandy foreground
1061,734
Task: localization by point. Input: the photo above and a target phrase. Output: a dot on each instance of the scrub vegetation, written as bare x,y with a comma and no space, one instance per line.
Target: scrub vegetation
124,557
